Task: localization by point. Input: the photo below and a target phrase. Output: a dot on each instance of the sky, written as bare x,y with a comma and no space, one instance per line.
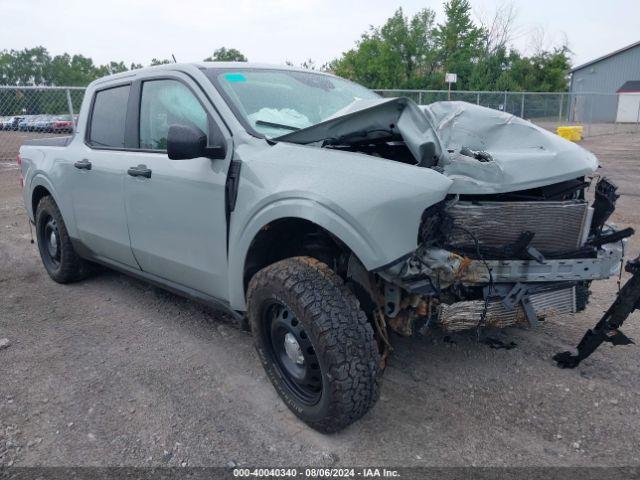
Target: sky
274,31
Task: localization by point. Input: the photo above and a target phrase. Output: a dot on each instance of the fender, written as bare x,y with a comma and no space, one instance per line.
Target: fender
68,214
47,171
372,205
302,208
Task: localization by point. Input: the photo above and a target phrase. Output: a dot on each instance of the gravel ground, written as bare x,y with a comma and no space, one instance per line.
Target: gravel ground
112,371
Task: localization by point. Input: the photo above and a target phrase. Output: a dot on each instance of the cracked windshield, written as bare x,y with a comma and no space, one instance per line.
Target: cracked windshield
275,103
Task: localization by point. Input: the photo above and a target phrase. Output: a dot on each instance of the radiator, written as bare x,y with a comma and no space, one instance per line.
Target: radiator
557,225
465,315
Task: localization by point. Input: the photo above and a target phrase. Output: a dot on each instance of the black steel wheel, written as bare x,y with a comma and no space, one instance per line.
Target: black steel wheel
56,250
314,342
292,353
51,240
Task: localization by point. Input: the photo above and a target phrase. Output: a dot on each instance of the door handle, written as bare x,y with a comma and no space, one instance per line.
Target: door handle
140,171
83,164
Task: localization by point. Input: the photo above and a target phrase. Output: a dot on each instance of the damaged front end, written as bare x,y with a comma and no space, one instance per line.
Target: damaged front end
508,259
515,241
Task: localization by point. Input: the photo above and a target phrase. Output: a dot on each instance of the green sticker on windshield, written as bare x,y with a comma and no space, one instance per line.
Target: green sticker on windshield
235,77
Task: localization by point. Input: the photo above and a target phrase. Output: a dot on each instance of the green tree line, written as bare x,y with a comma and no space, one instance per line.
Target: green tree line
35,66
414,52
407,52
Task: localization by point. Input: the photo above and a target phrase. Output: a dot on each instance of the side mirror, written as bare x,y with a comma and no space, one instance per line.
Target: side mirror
185,142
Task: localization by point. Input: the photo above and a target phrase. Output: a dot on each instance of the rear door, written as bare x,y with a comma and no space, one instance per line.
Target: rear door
176,208
97,175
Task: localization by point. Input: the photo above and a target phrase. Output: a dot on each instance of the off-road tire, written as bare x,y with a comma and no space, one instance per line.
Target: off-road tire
339,332
70,267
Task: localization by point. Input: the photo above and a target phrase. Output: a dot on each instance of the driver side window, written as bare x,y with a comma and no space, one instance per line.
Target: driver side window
165,103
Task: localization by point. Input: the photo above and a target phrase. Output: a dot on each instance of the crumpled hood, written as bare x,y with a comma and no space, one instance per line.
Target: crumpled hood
375,119
521,154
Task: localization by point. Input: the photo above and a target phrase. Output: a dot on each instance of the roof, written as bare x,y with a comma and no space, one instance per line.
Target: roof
604,57
183,65
632,86
262,66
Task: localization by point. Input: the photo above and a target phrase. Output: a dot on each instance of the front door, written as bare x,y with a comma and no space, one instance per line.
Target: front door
97,173
176,208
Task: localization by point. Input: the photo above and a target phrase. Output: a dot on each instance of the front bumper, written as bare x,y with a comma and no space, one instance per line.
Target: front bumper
499,263
450,268
516,291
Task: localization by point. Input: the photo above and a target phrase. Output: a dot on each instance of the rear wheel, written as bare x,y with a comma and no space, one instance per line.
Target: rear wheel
314,341
56,250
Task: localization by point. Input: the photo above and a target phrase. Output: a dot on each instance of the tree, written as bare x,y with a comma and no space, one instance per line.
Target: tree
24,67
459,42
410,53
223,54
400,54
546,71
499,27
73,70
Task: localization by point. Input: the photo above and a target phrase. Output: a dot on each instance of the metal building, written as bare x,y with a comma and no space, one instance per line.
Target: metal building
594,85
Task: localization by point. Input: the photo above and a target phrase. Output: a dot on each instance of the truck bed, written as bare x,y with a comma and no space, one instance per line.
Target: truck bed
49,142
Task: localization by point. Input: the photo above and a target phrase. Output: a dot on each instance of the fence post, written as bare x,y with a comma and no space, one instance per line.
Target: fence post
420,97
615,119
522,106
70,106
560,111
505,102
478,98
590,117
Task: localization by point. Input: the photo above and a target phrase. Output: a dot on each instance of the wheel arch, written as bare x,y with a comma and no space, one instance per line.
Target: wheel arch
301,217
37,194
41,186
291,237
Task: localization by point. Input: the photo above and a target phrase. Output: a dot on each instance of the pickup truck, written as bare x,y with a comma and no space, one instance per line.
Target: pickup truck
321,215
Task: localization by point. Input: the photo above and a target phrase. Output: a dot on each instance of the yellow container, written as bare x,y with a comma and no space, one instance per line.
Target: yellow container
570,132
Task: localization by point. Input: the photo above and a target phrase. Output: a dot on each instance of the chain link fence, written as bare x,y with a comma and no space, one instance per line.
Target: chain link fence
598,113
29,112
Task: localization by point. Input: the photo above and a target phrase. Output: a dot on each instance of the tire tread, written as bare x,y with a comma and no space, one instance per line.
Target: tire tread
344,335
72,267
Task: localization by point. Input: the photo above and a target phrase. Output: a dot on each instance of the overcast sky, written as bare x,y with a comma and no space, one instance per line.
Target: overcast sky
273,31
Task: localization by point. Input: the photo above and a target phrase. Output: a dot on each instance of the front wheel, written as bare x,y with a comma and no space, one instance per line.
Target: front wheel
314,341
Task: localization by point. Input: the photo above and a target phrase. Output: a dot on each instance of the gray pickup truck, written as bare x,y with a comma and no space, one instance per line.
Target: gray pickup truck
321,214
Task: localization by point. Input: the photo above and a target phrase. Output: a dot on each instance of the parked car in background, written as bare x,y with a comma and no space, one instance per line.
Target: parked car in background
32,124
22,124
26,124
62,124
10,123
44,123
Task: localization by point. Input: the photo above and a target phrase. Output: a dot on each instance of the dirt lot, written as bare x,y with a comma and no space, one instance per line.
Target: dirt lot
112,371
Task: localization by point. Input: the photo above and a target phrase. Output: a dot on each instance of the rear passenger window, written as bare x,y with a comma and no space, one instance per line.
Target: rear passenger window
165,103
108,118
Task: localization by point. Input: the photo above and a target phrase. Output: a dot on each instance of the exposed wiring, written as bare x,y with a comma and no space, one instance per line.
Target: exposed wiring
483,315
425,264
381,327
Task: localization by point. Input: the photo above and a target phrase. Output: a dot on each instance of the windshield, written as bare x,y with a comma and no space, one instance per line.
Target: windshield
277,102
